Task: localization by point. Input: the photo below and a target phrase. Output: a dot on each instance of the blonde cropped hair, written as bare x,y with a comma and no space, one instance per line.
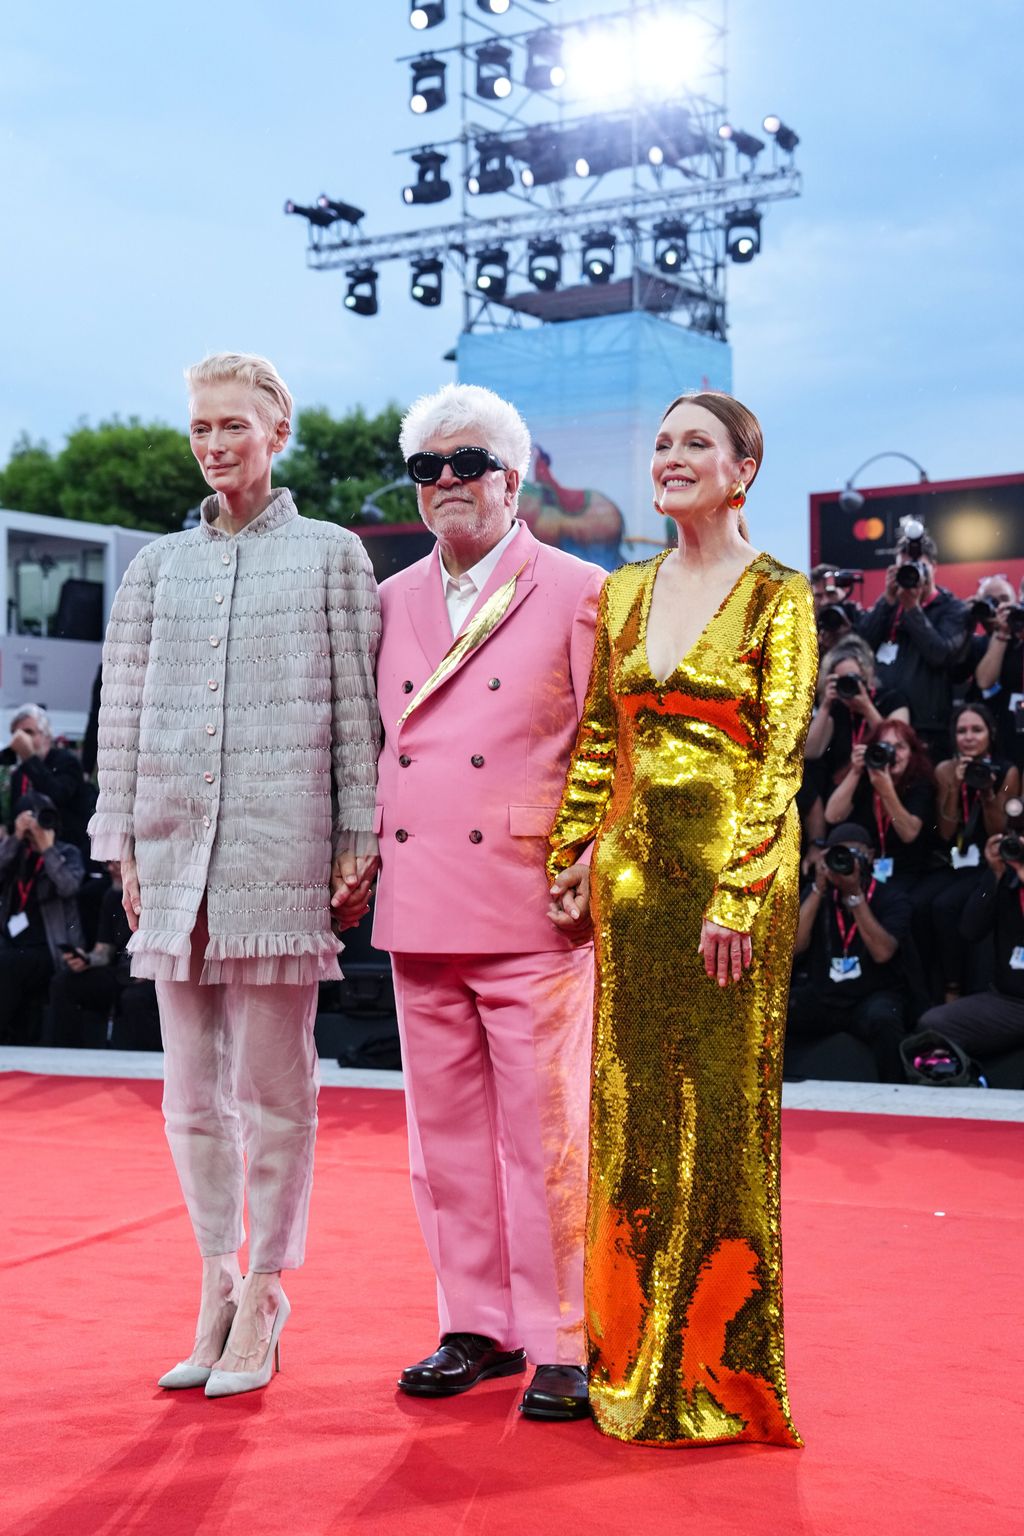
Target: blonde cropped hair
273,399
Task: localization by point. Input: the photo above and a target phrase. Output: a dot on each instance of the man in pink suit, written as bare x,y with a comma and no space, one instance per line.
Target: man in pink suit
494,1001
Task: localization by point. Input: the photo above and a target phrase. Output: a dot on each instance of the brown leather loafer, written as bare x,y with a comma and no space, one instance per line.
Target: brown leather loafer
459,1363
557,1392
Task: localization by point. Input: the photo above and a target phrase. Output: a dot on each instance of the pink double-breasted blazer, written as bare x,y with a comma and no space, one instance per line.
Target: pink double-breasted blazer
469,784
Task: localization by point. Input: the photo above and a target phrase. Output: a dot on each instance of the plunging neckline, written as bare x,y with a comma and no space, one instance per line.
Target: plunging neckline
646,615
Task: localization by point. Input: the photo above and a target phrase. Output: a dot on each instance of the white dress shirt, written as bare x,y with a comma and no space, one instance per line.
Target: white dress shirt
461,592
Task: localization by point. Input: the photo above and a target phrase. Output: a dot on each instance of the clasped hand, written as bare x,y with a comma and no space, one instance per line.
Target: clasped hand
352,880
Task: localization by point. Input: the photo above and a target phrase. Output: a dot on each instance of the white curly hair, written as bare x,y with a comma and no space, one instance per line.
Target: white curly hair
483,418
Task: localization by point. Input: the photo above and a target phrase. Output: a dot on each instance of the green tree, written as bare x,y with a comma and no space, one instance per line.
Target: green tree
143,475
138,474
334,464
30,482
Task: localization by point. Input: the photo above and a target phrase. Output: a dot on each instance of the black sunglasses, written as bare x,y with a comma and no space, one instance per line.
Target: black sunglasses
467,463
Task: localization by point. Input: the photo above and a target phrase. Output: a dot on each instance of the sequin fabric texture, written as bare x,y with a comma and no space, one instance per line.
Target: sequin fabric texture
689,784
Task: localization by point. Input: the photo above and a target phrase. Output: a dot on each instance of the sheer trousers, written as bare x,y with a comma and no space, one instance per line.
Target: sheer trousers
240,1086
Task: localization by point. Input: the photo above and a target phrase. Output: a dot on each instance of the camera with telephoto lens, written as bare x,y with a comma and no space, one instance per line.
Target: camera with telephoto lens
910,575
849,685
1015,622
981,610
981,773
1011,844
842,860
833,618
8,757
843,581
879,755
45,818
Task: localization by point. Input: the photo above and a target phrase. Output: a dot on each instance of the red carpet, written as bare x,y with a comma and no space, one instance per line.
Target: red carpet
904,1350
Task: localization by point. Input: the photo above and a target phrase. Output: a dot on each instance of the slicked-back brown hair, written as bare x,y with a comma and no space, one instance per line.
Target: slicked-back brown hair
742,425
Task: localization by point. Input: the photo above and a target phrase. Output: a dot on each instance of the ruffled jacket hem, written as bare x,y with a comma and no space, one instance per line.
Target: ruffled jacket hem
260,960
112,835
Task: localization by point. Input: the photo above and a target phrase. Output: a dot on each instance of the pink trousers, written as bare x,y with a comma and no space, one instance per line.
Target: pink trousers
496,1053
240,1086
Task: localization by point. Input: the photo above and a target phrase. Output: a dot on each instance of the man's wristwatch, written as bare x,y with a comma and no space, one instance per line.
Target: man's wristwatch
852,901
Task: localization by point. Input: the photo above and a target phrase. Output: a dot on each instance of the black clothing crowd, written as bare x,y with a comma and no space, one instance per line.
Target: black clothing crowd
910,944
64,972
911,926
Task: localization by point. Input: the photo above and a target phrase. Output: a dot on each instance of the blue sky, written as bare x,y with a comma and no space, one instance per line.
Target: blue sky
147,154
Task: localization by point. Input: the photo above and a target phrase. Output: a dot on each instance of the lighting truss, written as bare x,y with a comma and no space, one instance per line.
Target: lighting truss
666,169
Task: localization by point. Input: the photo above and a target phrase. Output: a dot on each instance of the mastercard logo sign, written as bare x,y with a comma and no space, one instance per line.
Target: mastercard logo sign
869,529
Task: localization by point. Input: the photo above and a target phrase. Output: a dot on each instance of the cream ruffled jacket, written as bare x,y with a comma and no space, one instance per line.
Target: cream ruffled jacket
238,682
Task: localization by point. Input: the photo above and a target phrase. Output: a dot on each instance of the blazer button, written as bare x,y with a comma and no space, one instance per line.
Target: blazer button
495,682
405,760
401,835
477,760
475,836
407,687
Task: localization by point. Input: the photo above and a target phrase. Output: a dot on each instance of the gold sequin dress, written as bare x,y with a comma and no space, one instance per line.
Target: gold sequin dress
688,785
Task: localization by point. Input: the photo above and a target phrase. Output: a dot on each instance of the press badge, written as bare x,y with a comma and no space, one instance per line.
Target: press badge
882,870
1017,958
968,858
887,653
847,967
17,924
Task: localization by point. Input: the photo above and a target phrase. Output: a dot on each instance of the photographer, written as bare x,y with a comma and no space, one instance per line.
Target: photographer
973,787
39,878
39,766
850,707
851,927
96,987
836,613
998,655
988,1023
891,787
918,632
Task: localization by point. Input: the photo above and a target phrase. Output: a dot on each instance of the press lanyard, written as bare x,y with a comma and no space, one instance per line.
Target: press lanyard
25,886
883,821
847,937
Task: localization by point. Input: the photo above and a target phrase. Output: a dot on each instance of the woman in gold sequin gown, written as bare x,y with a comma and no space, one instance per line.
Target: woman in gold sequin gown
685,774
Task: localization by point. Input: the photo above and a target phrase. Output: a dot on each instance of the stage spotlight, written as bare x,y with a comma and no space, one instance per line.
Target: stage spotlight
546,156
492,272
339,210
430,186
544,67
744,143
426,280
493,7
493,71
321,217
425,13
544,264
743,234
361,297
670,245
428,90
784,137
493,174
598,260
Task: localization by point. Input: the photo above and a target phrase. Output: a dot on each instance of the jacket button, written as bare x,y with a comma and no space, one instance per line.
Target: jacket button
401,835
495,682
225,559
211,730
477,760
405,759
219,597
212,685
214,641
208,777
407,687
476,836
206,821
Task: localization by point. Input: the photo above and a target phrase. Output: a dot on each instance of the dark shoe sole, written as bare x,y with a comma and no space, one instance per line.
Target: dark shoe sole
554,1413
426,1389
